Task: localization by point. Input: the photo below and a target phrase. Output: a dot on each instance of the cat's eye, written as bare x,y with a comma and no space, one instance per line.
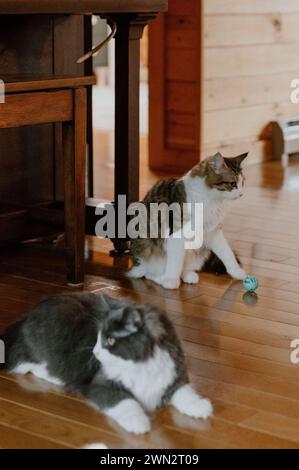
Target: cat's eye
234,185
110,341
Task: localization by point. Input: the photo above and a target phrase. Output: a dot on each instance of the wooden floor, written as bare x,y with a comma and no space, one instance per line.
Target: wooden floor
238,355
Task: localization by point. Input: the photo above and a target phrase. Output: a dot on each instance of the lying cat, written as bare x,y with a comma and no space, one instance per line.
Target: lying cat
125,359
164,260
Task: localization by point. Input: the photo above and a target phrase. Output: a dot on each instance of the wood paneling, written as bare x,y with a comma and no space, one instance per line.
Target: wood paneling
182,68
223,31
258,149
181,97
249,51
232,7
182,31
238,123
235,92
174,87
181,130
250,61
186,8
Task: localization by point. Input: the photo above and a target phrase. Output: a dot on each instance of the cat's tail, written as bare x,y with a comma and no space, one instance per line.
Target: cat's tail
214,265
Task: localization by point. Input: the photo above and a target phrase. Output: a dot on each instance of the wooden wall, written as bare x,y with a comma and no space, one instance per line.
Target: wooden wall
251,51
174,86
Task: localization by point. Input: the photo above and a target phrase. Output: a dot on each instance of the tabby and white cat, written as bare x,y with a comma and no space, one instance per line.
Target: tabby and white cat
125,359
213,182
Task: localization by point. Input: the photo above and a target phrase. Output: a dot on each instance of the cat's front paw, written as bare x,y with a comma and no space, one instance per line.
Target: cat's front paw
137,424
130,416
170,283
188,402
190,277
238,274
200,408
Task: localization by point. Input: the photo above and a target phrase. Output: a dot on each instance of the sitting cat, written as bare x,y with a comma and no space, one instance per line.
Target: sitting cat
213,182
125,359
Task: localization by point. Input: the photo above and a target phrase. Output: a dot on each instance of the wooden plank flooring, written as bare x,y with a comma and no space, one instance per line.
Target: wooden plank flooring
238,354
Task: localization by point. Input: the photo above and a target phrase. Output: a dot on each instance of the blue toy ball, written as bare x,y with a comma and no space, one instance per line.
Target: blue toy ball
250,283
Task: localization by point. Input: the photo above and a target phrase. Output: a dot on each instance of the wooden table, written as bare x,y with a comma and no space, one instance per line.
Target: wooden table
47,37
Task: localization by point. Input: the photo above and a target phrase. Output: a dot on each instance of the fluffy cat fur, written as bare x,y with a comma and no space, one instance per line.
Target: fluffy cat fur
124,359
164,260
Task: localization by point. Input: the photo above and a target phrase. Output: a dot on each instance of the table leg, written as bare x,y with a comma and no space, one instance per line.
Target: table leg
127,63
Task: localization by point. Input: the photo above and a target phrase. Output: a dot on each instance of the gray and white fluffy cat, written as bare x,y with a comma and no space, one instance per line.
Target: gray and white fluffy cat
125,359
213,182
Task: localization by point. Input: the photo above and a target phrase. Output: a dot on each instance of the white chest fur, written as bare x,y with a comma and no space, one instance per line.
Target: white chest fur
214,208
147,380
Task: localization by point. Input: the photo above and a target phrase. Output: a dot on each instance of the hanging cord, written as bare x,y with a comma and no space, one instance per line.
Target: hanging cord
95,50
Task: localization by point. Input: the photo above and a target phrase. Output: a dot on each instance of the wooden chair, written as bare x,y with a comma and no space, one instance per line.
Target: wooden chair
42,100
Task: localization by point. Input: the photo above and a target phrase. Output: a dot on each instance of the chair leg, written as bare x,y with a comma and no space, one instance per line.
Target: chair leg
74,144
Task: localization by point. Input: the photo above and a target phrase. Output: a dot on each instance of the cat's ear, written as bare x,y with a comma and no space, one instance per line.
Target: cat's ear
217,163
239,159
153,322
132,319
